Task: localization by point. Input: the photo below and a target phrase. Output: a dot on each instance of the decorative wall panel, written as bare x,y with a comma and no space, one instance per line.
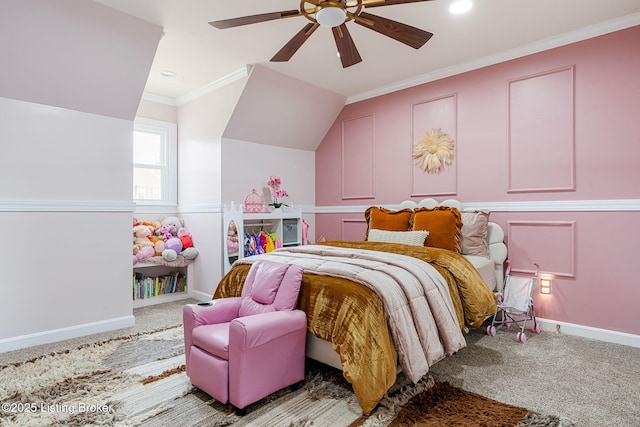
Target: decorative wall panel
358,152
541,132
526,238
439,113
354,229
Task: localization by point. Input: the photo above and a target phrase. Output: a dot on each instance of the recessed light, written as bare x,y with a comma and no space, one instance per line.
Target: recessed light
460,6
167,73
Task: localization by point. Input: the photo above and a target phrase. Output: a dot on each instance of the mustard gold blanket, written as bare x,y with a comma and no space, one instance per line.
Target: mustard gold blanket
352,317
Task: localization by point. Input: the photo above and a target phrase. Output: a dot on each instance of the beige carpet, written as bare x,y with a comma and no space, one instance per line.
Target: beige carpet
139,379
135,377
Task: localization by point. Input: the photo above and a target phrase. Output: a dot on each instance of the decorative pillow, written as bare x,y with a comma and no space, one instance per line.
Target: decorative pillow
413,238
443,223
386,219
475,225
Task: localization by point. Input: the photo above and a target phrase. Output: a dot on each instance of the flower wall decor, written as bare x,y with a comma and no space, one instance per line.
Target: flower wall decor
277,193
433,150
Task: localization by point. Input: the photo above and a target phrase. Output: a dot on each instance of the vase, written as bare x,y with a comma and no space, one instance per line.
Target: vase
276,210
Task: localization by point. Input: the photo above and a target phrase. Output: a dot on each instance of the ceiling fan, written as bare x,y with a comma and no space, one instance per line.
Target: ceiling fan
336,14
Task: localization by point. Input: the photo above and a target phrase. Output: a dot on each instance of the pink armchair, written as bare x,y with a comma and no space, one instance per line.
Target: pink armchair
242,349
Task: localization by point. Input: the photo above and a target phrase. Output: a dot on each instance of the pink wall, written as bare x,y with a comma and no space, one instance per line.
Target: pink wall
560,125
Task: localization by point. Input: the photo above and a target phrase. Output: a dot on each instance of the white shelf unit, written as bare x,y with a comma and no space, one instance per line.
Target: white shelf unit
286,224
154,270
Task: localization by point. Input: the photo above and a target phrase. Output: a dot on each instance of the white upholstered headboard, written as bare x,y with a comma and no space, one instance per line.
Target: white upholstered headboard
495,235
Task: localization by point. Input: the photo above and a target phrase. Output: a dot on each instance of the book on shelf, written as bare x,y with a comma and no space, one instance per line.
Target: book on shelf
151,286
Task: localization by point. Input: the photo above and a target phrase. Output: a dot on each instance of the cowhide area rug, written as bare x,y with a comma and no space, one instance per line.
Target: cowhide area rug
139,380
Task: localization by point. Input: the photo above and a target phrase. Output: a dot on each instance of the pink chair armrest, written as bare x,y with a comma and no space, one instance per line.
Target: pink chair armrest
252,331
220,311
193,315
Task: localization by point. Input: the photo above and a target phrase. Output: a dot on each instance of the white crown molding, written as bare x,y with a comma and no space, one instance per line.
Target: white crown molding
214,85
196,93
621,23
159,99
622,205
64,206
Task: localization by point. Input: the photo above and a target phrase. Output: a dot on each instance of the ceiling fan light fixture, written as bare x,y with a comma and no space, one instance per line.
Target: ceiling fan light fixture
331,16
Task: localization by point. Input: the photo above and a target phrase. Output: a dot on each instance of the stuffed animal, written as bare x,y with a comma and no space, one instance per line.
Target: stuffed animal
178,241
143,247
188,251
176,222
169,255
173,247
185,238
158,244
166,231
143,253
141,235
153,224
173,244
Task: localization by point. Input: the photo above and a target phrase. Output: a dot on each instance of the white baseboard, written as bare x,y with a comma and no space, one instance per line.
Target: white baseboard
199,295
605,335
47,337
159,299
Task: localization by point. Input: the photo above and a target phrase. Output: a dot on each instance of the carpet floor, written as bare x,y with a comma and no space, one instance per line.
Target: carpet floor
135,376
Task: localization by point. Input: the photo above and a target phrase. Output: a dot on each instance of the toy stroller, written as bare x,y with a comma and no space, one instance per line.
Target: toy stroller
516,305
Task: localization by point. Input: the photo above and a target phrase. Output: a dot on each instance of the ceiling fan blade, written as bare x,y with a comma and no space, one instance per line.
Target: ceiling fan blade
346,47
377,3
292,46
411,36
253,19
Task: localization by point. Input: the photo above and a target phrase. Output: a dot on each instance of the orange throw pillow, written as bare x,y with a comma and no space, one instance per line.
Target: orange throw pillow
386,219
444,225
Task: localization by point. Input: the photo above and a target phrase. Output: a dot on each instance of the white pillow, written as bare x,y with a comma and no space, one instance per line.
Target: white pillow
413,238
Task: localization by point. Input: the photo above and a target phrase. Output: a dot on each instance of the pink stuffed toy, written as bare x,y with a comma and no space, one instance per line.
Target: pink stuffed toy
166,231
185,238
188,251
182,245
144,253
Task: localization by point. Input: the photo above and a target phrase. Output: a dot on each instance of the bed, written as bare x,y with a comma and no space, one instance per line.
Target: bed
376,307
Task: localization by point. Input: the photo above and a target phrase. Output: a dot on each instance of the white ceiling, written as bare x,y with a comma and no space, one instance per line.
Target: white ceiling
494,30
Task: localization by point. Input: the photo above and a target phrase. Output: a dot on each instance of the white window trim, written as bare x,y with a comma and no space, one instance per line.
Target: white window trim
170,132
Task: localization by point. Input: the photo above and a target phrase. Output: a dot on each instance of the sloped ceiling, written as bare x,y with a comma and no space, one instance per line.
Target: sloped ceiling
275,109
492,31
75,54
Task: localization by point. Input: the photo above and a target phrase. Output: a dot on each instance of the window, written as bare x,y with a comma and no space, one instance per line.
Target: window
155,163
